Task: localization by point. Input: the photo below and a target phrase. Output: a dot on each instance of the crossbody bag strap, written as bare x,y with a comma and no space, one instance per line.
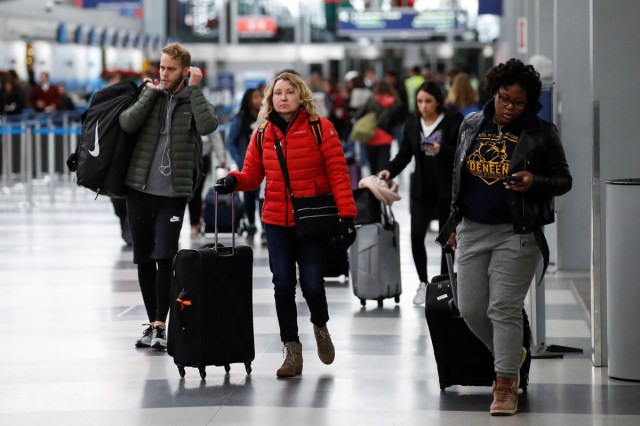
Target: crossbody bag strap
283,165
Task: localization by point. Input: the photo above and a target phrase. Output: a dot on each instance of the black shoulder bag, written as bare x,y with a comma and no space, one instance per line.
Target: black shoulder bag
316,217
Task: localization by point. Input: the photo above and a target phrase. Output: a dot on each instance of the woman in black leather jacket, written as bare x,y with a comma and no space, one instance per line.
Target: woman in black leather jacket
508,165
429,137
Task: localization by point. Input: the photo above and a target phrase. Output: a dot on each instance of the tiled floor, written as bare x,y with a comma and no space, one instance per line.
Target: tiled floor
70,311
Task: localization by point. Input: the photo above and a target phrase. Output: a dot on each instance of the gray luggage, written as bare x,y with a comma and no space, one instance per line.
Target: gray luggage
375,261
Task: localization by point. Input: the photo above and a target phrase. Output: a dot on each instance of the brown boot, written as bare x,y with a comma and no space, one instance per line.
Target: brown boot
292,365
505,397
326,351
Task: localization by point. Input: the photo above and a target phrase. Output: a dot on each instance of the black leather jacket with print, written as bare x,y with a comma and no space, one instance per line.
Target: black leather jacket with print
538,151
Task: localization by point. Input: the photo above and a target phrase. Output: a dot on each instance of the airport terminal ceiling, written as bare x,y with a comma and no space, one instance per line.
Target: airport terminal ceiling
226,36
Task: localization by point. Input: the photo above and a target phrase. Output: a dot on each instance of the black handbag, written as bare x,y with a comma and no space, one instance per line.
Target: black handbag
369,207
316,217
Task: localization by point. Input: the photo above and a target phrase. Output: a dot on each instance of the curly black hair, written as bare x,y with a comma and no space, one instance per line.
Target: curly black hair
511,72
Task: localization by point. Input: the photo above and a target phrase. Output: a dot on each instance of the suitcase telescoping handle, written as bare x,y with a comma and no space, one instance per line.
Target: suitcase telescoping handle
233,221
453,303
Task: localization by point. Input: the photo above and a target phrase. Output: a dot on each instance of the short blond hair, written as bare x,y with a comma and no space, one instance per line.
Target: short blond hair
302,90
178,52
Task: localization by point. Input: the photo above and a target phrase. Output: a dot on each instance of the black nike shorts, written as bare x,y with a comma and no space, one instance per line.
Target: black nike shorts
155,223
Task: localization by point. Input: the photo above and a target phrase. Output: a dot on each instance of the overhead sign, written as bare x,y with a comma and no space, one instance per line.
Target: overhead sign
400,22
256,26
107,4
129,8
490,7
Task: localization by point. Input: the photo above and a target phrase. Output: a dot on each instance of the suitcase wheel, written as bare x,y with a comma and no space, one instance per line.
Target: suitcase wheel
203,371
397,299
227,368
181,371
363,302
247,367
379,303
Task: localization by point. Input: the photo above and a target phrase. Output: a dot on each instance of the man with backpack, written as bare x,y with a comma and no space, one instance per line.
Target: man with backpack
169,118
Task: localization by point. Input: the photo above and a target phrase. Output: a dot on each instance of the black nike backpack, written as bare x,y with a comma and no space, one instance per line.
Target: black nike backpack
103,153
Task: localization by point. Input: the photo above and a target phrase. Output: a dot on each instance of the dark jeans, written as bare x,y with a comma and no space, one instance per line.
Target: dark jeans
421,216
285,250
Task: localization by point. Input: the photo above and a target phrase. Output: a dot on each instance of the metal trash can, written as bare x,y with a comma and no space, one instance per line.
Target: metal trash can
623,277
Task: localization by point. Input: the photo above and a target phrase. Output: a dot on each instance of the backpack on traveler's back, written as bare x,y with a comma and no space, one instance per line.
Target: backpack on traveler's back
103,153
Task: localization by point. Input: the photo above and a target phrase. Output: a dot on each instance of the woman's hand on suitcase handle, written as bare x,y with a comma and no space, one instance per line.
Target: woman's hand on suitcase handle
226,185
384,175
451,242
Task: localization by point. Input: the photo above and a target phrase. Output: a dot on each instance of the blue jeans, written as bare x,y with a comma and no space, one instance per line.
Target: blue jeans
285,250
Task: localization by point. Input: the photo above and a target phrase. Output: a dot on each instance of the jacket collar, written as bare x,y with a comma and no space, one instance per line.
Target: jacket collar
275,119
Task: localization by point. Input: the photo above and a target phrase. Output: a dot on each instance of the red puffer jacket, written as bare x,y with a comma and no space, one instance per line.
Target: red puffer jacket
314,169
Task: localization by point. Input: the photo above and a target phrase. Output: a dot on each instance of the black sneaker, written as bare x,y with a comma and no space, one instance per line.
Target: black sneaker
159,338
145,340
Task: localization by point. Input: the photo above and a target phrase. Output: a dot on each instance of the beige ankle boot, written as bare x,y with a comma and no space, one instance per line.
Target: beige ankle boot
326,351
505,397
292,365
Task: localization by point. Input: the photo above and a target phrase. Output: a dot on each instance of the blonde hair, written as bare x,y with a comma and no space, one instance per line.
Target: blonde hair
178,52
302,90
462,92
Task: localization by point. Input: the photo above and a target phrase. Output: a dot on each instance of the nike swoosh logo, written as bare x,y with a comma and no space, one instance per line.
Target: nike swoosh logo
174,219
96,148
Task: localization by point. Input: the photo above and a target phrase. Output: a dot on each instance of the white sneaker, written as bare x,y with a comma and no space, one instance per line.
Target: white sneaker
421,294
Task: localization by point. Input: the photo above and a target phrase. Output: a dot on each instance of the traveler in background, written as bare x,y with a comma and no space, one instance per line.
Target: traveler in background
314,169
429,137
370,78
242,127
411,85
23,86
119,204
321,98
386,103
391,77
339,114
66,103
45,97
462,97
499,236
11,98
210,144
168,118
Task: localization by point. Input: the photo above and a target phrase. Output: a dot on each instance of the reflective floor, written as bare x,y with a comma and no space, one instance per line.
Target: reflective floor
70,312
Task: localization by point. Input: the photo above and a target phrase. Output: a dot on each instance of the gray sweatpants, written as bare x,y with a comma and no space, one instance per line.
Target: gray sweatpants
495,269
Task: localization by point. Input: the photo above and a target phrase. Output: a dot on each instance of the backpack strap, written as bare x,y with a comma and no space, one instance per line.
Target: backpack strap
260,136
314,123
316,128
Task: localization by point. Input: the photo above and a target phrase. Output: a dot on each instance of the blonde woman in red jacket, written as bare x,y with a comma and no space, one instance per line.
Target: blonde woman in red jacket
315,168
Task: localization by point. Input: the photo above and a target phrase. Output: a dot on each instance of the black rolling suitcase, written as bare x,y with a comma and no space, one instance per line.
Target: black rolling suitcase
211,311
462,359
